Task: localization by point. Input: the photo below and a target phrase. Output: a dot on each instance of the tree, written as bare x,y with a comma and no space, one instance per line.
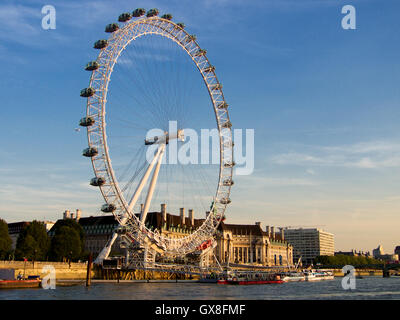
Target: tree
74,225
5,240
33,242
66,244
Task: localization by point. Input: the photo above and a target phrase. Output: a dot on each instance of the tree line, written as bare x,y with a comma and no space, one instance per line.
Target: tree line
33,243
342,260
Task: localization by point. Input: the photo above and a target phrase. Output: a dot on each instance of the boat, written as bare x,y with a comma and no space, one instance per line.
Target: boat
317,275
209,278
17,284
292,276
253,278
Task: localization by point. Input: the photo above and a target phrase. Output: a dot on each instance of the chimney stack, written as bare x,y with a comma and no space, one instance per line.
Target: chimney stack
268,231
282,234
182,214
66,214
164,212
273,232
191,217
78,214
72,215
258,224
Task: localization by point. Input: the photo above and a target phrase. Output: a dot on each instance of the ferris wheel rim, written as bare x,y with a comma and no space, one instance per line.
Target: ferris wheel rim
111,192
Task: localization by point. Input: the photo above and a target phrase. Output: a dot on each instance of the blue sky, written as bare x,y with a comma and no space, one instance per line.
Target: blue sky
323,101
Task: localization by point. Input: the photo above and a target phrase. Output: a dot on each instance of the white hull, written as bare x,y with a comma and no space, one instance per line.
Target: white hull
319,278
293,279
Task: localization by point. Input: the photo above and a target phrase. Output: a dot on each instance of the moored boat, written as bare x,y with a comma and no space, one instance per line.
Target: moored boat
317,275
17,284
254,278
293,276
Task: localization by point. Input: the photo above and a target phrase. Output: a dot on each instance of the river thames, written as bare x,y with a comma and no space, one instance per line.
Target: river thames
374,288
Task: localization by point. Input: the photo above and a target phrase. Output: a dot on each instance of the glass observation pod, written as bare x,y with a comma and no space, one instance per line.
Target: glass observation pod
112,27
209,69
225,201
87,92
190,38
167,16
92,65
108,208
100,44
223,105
86,122
229,164
90,152
181,24
97,181
124,17
227,124
201,52
138,12
216,86
152,12
228,182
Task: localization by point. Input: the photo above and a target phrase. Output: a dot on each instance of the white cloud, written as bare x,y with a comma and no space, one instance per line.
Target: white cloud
365,155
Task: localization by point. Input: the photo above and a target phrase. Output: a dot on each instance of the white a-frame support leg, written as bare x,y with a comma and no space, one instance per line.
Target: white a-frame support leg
158,156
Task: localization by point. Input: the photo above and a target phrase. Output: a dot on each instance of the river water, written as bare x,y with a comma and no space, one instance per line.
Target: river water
366,288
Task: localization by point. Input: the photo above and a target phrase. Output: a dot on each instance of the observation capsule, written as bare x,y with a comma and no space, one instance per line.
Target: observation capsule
225,201
87,92
108,207
124,17
181,25
138,12
167,16
92,65
227,124
201,52
216,86
229,164
97,181
228,182
112,27
191,37
209,69
152,13
86,122
222,105
90,152
100,44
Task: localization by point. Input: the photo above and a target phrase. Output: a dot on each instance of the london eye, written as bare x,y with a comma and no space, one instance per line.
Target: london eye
151,90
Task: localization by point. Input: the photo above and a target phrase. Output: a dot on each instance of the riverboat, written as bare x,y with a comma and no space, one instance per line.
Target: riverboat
292,276
17,284
253,278
316,275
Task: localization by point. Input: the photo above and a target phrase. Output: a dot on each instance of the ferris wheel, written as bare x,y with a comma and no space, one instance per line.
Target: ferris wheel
150,73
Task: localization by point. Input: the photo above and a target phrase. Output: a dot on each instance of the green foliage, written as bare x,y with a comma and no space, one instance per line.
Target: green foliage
342,260
5,240
72,224
66,244
68,241
33,242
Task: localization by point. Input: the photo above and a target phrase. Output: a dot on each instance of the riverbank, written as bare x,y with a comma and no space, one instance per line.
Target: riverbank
63,270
